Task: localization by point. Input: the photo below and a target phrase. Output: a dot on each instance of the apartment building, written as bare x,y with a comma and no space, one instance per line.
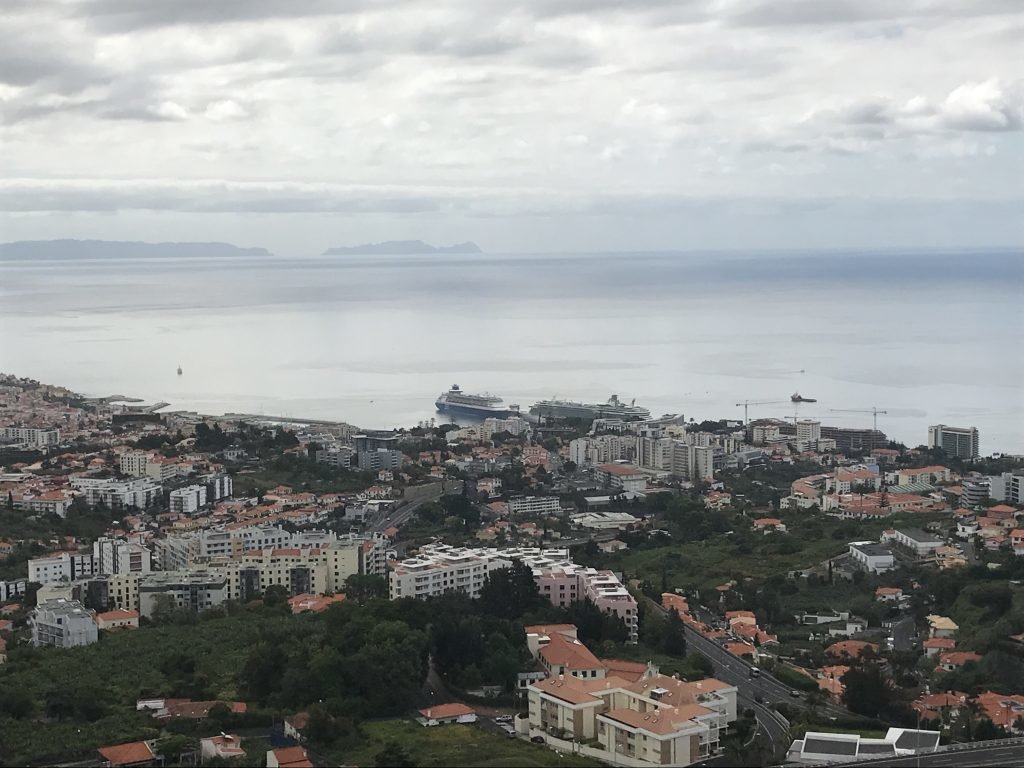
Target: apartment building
66,566
1008,487
63,624
534,505
623,477
31,437
872,557
917,541
193,590
378,459
188,500
140,493
656,720
134,463
925,475
809,430
338,456
962,442
300,572
112,556
54,502
441,568
218,486
601,449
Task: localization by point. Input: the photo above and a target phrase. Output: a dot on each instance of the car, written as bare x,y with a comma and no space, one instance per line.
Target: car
795,694
755,672
759,698
537,739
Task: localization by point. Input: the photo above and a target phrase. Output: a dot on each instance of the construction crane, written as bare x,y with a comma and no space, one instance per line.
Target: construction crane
873,411
747,403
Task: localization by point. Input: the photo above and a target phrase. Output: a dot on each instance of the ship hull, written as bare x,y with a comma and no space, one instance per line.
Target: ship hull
482,411
587,411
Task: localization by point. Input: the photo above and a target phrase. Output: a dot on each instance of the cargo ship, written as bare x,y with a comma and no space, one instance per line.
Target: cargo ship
796,397
566,409
483,406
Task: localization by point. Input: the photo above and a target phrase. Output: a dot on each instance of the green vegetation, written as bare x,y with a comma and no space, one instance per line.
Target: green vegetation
450,745
301,474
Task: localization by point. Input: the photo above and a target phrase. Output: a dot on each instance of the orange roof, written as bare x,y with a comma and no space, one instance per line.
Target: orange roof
889,591
562,651
740,649
766,521
958,658
619,469
128,754
292,757
939,642
444,711
313,603
117,615
660,721
852,648
627,670
739,614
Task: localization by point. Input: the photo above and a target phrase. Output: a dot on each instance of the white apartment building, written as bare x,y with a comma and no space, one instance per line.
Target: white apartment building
63,624
66,566
178,551
112,556
534,505
440,568
765,434
656,720
917,541
962,442
1007,487
514,425
188,500
218,486
193,590
118,494
32,437
45,503
602,449
654,452
872,557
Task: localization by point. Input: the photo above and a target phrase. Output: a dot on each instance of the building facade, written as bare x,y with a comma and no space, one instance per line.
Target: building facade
961,442
63,624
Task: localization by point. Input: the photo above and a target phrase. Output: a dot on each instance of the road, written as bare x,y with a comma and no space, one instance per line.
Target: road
903,633
401,516
734,671
994,755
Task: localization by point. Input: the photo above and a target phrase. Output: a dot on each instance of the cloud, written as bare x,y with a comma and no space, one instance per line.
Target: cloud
985,106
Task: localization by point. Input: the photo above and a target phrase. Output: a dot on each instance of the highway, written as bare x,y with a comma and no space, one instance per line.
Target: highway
402,515
1009,753
734,671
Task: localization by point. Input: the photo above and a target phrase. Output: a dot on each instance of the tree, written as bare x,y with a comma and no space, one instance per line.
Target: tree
275,596
867,690
170,748
15,703
363,587
394,756
674,640
510,592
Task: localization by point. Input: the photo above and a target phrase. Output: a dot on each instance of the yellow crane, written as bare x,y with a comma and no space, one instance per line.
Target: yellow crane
873,411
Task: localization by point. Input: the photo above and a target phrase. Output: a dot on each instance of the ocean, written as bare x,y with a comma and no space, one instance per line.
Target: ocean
928,337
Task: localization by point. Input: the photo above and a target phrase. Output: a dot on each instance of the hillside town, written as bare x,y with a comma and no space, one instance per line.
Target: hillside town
613,591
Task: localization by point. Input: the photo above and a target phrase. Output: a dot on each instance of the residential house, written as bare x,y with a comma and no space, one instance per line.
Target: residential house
224,747
1017,541
136,753
933,646
889,594
294,725
288,757
768,525
851,649
872,557
941,626
117,619
952,661
447,713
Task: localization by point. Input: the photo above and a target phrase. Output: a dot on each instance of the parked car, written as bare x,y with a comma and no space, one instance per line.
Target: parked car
537,739
795,694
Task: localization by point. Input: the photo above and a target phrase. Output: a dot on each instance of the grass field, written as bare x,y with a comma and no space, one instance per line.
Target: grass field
454,745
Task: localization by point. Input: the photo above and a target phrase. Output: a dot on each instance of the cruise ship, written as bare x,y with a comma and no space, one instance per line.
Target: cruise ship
457,401
614,408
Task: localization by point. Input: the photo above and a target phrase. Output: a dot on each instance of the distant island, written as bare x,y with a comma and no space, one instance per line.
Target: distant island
400,247
121,249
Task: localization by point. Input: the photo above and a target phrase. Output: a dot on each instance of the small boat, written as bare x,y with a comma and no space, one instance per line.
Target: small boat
179,369
796,397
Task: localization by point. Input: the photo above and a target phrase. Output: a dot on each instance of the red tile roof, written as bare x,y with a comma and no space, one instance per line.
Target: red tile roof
444,711
292,757
128,754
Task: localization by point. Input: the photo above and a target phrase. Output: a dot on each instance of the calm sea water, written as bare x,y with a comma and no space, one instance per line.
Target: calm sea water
373,340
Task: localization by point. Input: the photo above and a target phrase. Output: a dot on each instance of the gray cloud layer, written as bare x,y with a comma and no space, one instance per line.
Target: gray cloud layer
482,108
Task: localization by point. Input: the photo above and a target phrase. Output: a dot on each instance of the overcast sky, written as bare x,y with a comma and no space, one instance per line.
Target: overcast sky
537,125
